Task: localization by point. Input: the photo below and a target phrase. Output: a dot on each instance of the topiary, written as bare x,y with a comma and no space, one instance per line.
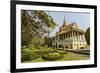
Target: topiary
52,56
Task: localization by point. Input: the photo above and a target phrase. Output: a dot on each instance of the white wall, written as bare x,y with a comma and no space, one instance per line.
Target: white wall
5,37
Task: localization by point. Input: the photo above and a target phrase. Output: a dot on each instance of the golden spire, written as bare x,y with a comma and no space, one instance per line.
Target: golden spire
64,23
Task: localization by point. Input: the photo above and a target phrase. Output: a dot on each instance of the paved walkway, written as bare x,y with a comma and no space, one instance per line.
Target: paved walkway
80,51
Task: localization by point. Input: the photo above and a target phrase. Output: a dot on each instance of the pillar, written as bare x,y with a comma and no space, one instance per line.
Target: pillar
72,34
78,36
61,36
58,37
72,39
83,37
64,36
75,35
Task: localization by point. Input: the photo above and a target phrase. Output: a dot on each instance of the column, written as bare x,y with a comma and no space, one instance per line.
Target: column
61,37
58,37
57,45
69,35
66,36
75,35
72,34
78,36
83,37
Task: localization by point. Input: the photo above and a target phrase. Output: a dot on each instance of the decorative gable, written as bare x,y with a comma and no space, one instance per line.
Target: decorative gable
73,26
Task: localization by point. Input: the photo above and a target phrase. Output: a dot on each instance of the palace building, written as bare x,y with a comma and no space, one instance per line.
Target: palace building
69,37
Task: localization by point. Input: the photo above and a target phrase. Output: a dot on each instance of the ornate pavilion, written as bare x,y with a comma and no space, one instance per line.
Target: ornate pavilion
69,37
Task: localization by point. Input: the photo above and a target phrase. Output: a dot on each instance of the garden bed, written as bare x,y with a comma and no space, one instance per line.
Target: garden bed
56,55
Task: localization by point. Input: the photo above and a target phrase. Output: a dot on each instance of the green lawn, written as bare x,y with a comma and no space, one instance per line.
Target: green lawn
68,56
74,56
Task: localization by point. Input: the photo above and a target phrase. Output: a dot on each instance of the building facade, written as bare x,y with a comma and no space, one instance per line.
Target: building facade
70,37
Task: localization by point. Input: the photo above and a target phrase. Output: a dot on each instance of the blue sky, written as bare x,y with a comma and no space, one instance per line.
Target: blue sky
82,19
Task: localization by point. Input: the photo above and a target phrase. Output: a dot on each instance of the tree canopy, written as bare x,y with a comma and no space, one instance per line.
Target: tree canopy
87,36
35,23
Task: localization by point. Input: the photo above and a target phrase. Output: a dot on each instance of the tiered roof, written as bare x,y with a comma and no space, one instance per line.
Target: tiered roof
72,27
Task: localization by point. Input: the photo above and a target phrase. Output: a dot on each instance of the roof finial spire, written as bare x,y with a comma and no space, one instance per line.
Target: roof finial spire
64,23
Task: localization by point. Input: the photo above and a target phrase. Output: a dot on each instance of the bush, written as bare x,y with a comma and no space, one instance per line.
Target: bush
28,55
52,56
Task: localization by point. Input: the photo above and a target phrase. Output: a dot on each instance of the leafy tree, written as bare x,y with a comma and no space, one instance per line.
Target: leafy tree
87,36
48,41
35,23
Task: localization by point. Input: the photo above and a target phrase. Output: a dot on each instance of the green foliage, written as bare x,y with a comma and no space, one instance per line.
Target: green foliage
87,36
27,55
37,42
31,53
48,41
45,46
49,54
52,56
35,23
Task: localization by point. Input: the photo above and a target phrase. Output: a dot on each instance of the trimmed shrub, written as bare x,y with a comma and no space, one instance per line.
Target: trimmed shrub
28,55
52,56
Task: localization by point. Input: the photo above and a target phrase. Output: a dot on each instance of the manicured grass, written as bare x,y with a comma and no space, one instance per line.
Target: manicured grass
74,56
68,56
